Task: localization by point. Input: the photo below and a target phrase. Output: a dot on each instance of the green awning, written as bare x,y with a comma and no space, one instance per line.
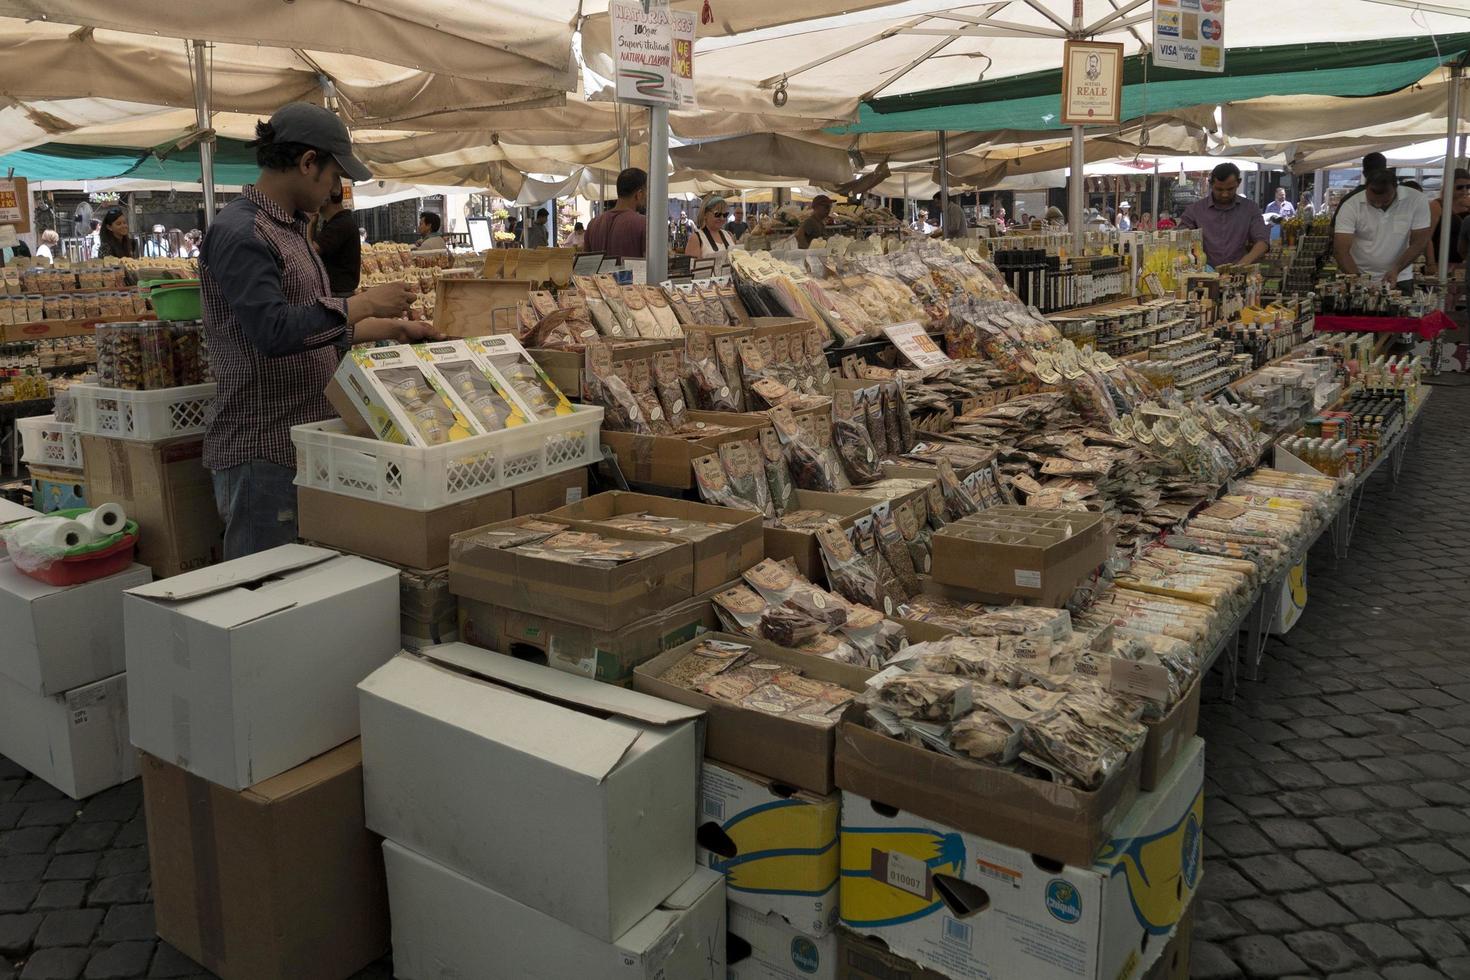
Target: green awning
1033,101
234,164
61,161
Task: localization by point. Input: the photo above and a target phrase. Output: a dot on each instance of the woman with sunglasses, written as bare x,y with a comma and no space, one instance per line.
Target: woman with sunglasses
710,237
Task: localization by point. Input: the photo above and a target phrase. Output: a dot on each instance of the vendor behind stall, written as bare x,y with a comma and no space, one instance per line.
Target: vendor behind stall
275,332
1232,227
1382,230
815,226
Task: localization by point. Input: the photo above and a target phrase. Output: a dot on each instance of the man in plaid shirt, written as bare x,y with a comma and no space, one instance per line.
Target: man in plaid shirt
275,333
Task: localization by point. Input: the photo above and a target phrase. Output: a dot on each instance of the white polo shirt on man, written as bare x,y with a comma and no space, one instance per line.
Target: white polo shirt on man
1380,235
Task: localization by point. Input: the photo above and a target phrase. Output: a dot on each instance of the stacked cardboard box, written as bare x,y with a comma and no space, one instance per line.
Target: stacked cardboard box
244,701
416,542
63,696
165,488
603,622
537,824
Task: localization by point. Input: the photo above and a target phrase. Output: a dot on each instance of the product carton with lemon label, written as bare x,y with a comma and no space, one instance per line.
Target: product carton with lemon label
776,846
973,909
483,396
401,398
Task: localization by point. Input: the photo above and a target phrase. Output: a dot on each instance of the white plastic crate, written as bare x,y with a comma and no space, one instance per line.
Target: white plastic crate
47,442
328,458
143,415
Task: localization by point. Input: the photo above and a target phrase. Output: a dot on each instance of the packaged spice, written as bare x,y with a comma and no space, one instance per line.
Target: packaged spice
809,468
670,393
714,485
729,361
747,475
711,391
778,474
621,409
895,550
851,574
819,428
850,438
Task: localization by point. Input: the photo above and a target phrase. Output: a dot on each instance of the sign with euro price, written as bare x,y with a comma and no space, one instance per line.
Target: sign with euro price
653,53
1189,34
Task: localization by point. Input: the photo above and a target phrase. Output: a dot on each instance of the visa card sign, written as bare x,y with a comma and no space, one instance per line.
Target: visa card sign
1190,34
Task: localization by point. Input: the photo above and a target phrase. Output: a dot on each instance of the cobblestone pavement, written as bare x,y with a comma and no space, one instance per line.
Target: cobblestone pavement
1337,790
1337,795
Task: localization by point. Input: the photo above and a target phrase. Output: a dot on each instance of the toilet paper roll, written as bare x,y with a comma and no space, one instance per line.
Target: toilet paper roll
51,535
104,521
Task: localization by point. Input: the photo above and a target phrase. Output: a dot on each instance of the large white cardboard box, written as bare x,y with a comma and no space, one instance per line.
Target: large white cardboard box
54,638
573,797
77,741
973,909
447,926
241,671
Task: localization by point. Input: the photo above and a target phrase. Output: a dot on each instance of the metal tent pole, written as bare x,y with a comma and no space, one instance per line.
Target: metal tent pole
201,119
658,194
944,183
1447,193
1075,195
905,198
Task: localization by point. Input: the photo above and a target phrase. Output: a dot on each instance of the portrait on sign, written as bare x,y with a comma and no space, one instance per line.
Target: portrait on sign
1092,83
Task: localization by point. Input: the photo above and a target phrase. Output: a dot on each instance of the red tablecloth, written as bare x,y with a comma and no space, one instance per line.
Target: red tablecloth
1427,327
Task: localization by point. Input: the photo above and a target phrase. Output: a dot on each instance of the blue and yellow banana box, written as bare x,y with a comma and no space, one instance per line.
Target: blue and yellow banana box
776,846
973,909
766,947
53,490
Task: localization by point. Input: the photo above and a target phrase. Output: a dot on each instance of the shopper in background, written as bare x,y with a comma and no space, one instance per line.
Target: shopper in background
93,241
1166,222
815,226
156,247
1054,216
621,232
429,237
275,332
190,248
50,242
738,227
113,238
339,244
578,237
539,236
1382,230
1232,227
710,238
1125,221
1459,205
1304,207
1146,221
1279,210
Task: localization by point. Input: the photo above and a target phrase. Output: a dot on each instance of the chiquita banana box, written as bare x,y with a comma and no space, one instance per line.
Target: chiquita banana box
974,909
401,399
776,846
766,947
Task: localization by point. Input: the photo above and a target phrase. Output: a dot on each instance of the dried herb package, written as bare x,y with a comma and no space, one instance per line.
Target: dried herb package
817,367
818,428
621,409
714,485
778,474
850,573
850,437
917,537
809,468
744,466
712,393
666,375
895,549
729,360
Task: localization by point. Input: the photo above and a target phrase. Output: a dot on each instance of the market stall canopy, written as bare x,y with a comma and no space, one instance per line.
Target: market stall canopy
827,66
1031,101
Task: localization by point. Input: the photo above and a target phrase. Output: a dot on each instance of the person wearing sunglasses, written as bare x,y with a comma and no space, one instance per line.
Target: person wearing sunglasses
1459,207
710,237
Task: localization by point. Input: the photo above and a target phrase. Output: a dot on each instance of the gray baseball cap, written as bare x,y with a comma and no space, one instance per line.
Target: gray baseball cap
319,127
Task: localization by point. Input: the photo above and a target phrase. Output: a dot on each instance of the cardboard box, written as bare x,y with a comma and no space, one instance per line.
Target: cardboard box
428,614
972,908
1062,824
166,489
1037,555
788,751
1168,737
608,656
278,882
573,797
475,387
466,307
722,557
419,539
504,358
866,958
801,546
77,741
775,845
57,637
668,461
445,925
766,947
1174,963
602,598
241,672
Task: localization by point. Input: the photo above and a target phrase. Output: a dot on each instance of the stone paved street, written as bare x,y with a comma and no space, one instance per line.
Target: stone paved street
1337,790
1337,794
